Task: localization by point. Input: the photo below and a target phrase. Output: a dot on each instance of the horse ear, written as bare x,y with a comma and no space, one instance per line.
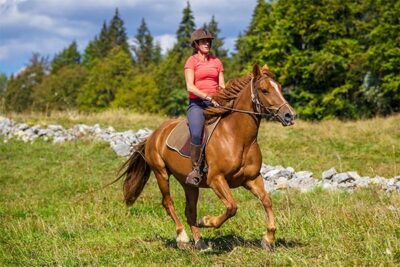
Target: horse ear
265,68
256,71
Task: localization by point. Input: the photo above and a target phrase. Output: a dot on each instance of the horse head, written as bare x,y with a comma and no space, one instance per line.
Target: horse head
267,96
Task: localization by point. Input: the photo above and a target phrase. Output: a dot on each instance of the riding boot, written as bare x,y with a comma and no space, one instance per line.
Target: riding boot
194,177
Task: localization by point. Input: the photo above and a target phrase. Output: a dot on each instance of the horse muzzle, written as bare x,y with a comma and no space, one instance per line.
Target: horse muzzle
286,115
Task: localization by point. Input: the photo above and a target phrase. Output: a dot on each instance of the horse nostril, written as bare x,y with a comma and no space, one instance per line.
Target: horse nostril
288,116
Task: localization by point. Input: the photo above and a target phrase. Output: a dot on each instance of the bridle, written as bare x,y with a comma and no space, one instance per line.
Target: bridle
258,106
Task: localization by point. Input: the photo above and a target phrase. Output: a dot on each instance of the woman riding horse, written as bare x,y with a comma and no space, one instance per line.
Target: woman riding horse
233,160
203,75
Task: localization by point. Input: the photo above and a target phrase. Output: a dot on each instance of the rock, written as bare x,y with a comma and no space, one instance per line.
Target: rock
22,127
302,175
59,139
290,170
362,182
327,175
82,128
378,180
348,186
391,185
55,127
281,183
121,149
276,172
272,174
354,175
303,182
265,168
343,177
398,187
110,129
269,186
42,132
96,129
330,186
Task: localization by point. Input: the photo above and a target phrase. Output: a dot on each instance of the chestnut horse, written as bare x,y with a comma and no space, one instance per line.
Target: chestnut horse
232,154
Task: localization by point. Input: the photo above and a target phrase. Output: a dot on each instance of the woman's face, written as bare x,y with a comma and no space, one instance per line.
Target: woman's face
204,45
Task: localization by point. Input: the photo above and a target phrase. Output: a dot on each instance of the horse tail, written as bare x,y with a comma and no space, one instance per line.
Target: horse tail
136,172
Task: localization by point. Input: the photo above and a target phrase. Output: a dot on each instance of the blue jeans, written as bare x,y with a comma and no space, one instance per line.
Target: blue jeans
196,119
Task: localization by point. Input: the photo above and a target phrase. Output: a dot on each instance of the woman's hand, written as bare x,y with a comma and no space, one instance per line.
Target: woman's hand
213,102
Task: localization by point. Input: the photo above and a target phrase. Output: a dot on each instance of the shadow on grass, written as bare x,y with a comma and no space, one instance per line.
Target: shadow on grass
227,243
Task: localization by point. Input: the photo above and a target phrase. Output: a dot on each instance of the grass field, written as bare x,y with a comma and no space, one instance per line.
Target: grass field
47,219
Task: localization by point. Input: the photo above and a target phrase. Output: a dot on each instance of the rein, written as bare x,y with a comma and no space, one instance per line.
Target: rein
257,105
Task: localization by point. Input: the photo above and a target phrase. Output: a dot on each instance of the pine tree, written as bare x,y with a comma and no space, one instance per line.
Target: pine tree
170,79
69,56
217,44
109,37
117,33
18,96
103,43
185,29
90,54
3,83
3,87
157,57
144,49
250,43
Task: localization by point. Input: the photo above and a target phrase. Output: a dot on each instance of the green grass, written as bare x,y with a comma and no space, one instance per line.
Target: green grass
46,217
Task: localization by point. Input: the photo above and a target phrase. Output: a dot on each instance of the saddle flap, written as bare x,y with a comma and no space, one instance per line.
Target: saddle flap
179,138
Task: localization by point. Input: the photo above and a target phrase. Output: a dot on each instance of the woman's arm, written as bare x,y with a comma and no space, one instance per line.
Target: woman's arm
221,80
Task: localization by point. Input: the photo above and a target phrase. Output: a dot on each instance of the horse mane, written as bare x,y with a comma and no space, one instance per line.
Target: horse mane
227,96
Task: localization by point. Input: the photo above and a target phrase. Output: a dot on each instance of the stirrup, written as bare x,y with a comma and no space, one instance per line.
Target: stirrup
194,178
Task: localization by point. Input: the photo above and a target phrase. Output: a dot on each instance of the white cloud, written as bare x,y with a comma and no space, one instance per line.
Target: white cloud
48,26
166,41
229,43
15,48
12,17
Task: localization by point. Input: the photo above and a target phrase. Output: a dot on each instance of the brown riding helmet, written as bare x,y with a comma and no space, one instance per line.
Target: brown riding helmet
200,34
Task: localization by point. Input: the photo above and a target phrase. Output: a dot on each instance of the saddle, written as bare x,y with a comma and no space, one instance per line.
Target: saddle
179,138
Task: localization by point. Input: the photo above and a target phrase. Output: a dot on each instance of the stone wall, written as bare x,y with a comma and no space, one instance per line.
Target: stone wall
276,177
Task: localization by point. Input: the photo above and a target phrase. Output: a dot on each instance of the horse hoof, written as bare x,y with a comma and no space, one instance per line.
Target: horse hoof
267,246
201,245
200,223
183,245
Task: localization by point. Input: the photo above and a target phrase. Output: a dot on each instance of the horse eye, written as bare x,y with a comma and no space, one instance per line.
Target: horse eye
264,91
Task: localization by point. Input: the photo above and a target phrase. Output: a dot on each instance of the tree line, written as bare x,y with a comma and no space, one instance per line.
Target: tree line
334,58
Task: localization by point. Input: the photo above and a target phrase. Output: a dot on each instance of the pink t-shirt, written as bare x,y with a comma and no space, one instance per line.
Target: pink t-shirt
205,74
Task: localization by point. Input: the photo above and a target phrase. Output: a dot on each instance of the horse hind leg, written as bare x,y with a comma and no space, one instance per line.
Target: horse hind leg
256,186
163,183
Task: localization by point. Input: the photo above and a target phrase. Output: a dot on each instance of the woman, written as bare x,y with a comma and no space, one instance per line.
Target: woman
204,74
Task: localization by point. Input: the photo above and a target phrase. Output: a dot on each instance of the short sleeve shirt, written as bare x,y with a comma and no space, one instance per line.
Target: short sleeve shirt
206,74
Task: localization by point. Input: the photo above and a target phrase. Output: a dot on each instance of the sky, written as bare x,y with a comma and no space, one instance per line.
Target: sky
48,26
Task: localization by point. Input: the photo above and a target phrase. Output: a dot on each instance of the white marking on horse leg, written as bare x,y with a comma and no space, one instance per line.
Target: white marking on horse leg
182,237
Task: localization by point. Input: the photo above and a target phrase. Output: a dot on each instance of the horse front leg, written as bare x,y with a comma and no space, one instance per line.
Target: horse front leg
222,190
256,186
192,196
